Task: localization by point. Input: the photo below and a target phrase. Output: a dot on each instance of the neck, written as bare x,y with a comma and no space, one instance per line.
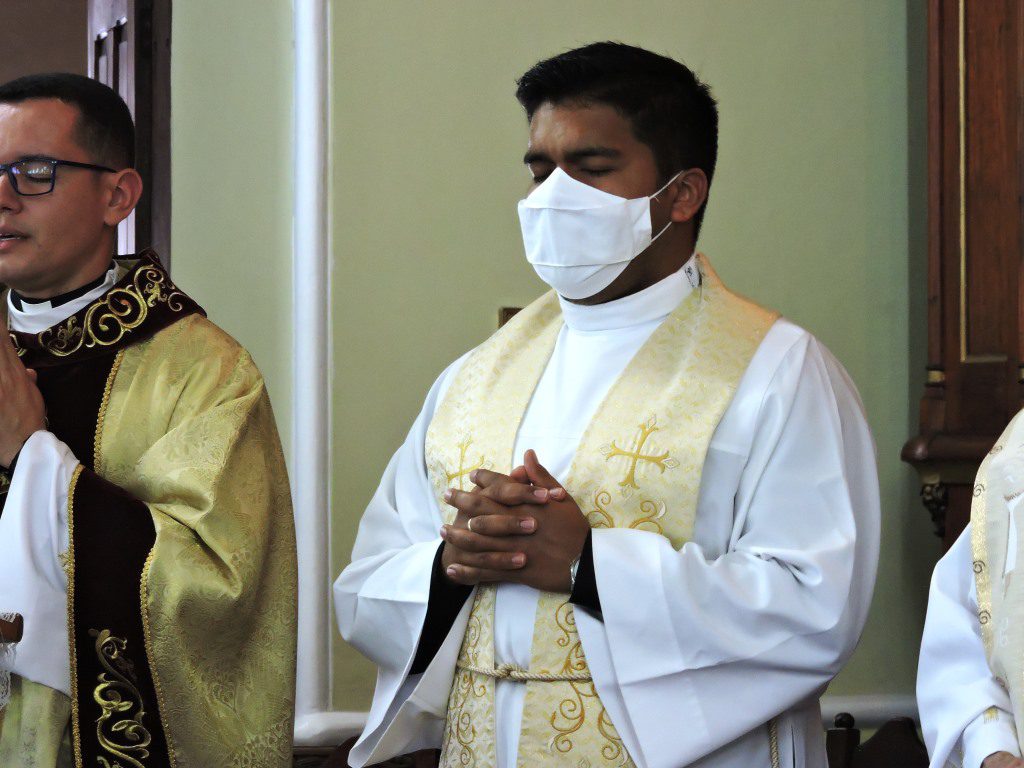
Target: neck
62,294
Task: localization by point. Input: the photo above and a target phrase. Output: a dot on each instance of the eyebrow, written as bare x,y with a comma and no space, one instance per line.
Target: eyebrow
574,156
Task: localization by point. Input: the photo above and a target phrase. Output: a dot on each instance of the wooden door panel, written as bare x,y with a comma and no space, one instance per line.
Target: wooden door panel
129,44
975,193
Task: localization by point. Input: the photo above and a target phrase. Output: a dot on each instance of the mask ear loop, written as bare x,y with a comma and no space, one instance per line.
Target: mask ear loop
670,222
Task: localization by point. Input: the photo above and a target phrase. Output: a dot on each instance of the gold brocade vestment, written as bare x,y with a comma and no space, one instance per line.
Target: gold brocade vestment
1000,481
181,566
638,465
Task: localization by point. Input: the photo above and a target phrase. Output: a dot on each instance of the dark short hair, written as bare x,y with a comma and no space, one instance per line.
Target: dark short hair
105,129
669,108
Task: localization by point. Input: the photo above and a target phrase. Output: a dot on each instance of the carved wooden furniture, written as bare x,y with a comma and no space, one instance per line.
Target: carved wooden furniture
11,631
895,745
975,191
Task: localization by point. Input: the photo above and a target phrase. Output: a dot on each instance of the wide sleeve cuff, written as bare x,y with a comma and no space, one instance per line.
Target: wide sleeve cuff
445,602
992,731
33,537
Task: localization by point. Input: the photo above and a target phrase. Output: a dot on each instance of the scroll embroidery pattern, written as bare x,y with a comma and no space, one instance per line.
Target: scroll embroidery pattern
119,312
571,714
460,734
19,350
119,729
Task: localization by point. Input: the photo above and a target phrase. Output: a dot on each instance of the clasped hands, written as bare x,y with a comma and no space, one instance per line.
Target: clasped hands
523,527
22,411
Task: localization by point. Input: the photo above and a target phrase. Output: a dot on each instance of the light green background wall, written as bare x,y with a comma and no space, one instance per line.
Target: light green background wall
231,153
815,210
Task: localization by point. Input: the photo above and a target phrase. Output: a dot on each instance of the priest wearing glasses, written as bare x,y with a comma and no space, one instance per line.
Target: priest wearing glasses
638,526
146,532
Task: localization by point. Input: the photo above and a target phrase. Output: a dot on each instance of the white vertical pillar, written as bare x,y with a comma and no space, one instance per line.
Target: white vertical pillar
311,425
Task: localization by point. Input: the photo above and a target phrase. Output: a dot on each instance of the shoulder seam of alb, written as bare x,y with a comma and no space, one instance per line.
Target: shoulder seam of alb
804,336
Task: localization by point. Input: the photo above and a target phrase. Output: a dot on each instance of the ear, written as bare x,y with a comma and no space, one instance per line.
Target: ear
692,186
125,192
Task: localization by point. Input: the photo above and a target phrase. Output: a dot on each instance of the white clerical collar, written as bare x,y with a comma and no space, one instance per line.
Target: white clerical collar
653,303
35,316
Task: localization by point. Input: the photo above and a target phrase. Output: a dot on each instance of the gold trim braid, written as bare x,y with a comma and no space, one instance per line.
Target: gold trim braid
773,742
76,734
104,403
151,654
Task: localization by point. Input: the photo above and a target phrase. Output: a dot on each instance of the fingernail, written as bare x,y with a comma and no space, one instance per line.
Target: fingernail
448,494
472,476
541,493
528,524
444,531
452,571
518,559
558,494
469,524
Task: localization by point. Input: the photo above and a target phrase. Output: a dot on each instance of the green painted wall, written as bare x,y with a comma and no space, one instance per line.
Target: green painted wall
816,210
231,151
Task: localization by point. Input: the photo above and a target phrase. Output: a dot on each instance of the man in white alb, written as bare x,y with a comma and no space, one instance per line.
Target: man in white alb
639,524
970,677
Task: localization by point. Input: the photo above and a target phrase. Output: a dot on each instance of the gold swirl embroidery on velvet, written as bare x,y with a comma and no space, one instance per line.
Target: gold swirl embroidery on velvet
118,313
126,738
18,349
636,456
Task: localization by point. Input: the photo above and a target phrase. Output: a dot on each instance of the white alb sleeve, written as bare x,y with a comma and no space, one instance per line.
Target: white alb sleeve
955,687
990,732
33,538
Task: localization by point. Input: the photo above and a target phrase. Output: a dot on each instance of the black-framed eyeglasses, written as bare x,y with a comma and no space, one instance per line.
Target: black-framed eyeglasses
38,175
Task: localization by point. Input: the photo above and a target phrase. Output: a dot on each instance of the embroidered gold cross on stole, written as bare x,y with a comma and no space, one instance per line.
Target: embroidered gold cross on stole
463,471
662,460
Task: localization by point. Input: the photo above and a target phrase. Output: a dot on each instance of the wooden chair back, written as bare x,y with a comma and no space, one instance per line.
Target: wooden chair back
895,745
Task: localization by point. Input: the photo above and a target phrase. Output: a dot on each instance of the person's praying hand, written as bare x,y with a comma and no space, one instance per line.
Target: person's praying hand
22,411
523,528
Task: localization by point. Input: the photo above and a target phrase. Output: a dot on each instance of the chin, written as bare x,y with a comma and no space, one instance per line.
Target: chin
18,271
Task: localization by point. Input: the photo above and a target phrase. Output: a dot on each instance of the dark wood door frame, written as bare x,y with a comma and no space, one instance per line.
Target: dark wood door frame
130,50
975,284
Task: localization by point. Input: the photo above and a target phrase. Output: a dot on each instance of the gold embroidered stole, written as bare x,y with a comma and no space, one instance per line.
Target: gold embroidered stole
1000,480
638,466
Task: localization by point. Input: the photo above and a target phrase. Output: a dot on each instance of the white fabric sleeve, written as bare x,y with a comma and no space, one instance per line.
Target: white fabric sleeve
990,732
33,536
955,686
735,639
381,598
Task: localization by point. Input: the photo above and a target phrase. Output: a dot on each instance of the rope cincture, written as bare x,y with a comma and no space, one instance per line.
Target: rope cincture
520,675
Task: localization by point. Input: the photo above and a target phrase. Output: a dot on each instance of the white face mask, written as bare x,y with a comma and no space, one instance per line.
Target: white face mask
578,238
